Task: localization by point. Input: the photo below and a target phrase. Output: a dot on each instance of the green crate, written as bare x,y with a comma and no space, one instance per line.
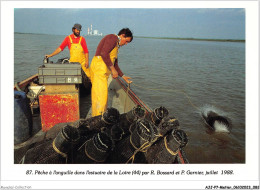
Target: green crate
60,79
60,69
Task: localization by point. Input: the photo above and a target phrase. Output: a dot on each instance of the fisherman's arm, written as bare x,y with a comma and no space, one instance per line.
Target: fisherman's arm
120,73
108,46
59,49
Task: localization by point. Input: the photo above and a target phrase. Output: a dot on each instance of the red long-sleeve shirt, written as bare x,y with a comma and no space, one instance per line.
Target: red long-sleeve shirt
105,46
66,42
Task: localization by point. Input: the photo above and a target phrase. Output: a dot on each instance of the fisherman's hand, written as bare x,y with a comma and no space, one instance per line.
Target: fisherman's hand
47,56
114,72
126,79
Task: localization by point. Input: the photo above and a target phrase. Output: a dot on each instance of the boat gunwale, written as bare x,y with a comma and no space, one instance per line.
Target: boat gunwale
133,96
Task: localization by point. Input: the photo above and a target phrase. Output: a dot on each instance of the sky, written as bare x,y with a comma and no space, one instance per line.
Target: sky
221,23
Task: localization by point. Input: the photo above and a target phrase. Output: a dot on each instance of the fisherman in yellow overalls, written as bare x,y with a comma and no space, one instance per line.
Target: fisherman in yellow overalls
78,49
104,63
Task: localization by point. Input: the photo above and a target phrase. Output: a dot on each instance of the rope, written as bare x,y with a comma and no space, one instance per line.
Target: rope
168,149
155,114
57,150
91,156
152,119
169,90
102,118
142,149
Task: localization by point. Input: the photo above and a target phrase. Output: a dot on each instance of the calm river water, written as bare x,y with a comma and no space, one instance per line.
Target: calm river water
184,76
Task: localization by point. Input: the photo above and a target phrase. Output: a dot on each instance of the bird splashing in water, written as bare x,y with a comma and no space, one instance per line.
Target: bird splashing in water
216,119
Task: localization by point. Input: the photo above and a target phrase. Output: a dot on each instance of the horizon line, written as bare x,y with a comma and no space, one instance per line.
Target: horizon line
169,38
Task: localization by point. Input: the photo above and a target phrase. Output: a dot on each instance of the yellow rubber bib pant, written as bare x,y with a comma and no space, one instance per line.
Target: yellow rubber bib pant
77,55
99,73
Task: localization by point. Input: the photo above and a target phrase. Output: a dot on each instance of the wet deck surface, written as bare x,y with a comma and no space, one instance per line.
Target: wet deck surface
115,100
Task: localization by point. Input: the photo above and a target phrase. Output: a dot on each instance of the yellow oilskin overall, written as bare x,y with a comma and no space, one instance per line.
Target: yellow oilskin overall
77,55
99,73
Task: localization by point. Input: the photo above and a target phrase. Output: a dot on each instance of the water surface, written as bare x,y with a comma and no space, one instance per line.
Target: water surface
185,76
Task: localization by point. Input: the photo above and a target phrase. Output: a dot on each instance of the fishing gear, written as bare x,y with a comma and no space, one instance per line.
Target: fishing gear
57,151
95,150
157,115
89,127
167,124
98,123
165,151
126,119
127,149
115,132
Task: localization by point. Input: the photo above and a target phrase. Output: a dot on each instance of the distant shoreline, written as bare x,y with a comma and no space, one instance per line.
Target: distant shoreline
168,38
195,39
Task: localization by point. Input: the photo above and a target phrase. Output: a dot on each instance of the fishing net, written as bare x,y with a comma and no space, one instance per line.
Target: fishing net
165,151
53,132
168,124
96,124
181,137
134,114
132,137
115,132
157,115
20,152
57,151
66,139
95,150
128,118
89,127
121,152
142,133
126,150
111,116
43,154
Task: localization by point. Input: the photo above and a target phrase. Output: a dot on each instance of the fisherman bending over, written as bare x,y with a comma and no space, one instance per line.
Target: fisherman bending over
104,63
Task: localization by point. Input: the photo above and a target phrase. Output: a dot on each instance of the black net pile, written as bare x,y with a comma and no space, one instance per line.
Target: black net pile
105,122
141,133
66,139
96,124
20,152
111,116
115,132
59,151
165,151
121,152
126,150
167,124
95,150
128,118
43,154
157,115
132,137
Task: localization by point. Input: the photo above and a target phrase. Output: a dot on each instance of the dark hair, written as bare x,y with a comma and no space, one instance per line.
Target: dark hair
127,32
